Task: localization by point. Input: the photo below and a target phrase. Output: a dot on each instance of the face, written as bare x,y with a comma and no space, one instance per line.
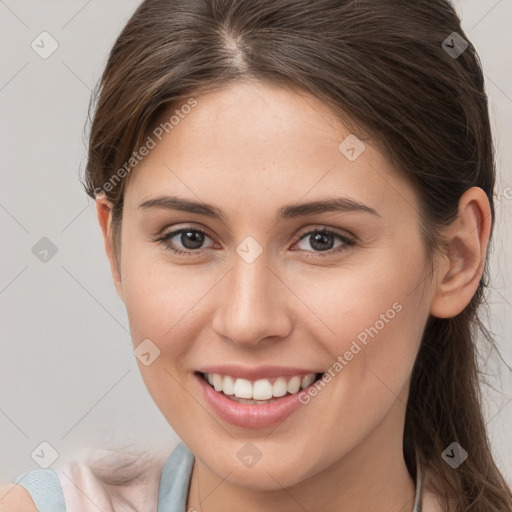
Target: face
271,292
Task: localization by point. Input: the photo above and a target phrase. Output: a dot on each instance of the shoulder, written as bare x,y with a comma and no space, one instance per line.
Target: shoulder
36,490
15,498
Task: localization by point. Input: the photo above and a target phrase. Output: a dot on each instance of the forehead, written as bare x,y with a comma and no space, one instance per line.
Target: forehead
258,143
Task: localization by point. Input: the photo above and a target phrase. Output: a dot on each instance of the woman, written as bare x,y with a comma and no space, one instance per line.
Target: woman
296,199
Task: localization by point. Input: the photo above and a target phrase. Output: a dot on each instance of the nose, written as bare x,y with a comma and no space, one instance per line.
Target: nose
252,304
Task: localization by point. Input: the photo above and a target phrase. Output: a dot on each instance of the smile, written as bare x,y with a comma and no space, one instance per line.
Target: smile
250,402
261,391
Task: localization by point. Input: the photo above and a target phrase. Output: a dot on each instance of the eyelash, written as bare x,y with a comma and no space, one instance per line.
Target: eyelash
348,243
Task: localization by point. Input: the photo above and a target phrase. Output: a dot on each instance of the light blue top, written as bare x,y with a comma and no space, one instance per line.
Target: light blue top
46,492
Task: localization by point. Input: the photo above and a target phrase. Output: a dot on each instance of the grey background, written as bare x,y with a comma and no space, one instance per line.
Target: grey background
67,373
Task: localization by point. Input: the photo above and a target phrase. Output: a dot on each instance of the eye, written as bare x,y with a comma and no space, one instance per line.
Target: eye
323,240
190,239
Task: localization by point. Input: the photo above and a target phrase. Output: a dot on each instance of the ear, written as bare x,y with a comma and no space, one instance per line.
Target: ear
460,269
104,211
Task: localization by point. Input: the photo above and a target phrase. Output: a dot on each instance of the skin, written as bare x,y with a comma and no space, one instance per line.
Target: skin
250,149
15,498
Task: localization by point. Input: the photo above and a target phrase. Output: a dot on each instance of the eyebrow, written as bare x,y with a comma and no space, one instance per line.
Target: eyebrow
334,204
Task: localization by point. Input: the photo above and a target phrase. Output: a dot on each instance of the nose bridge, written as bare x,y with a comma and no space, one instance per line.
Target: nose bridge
250,307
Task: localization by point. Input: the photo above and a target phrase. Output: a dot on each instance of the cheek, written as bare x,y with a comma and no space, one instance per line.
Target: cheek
162,303
164,311
378,297
157,293
372,319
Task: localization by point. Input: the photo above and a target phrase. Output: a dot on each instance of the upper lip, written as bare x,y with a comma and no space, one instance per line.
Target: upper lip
260,372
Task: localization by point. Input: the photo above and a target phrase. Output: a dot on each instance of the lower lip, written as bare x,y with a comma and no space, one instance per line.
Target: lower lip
247,415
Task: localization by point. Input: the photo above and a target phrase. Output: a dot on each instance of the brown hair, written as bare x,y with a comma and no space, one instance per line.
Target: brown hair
388,69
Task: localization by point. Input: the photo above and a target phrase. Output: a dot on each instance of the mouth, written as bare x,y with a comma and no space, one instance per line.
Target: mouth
261,391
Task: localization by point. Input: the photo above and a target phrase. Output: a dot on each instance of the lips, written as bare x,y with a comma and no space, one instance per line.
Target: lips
231,381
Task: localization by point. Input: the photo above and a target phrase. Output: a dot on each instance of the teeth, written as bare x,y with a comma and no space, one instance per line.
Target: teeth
252,402
293,385
307,380
263,390
279,387
243,388
217,382
228,387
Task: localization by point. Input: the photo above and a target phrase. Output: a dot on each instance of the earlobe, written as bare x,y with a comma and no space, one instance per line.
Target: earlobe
460,268
104,212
